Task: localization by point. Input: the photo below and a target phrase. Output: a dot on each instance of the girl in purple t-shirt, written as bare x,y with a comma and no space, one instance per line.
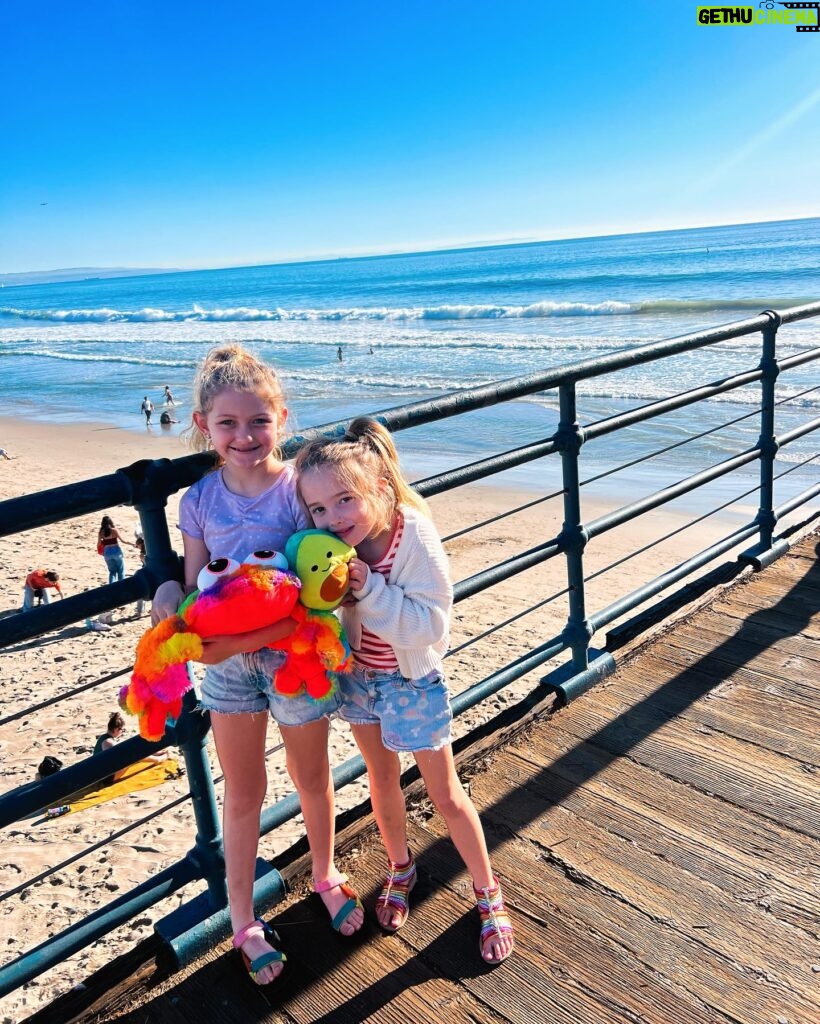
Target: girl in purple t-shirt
249,503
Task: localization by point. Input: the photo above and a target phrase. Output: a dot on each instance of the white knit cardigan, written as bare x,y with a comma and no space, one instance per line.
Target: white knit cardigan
410,609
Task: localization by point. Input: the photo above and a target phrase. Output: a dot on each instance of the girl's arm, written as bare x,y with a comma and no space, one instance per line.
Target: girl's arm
218,648
415,612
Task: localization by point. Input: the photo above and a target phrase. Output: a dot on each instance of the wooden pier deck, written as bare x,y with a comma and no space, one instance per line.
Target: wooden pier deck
658,841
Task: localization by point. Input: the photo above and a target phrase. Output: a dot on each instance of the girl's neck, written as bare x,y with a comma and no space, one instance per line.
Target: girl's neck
375,548
252,482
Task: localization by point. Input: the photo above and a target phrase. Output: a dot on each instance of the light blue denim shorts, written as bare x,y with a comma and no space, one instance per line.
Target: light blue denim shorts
244,683
414,714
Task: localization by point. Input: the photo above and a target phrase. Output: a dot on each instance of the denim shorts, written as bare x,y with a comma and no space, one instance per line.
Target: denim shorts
414,714
244,684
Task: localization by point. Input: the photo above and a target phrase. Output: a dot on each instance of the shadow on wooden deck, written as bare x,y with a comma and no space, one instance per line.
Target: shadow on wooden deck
658,841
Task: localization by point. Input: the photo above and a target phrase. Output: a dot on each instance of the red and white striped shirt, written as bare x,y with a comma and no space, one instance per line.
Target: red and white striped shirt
374,652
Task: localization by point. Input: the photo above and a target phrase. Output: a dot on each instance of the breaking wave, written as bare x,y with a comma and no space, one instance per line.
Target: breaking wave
535,310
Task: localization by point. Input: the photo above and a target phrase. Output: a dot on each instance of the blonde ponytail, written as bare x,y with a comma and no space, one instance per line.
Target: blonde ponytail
364,455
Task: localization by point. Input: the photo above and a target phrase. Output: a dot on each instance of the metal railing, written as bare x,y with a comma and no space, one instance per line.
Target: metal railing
147,485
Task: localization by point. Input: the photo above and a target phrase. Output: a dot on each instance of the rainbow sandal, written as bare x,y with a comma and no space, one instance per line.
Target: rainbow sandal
396,889
353,901
266,959
495,921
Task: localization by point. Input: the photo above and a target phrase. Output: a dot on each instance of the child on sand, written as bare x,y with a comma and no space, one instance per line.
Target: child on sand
249,503
397,622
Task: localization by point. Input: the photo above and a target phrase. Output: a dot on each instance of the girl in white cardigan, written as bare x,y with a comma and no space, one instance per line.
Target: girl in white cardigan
397,619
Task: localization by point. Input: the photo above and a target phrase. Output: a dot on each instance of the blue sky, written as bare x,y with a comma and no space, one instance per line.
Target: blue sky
181,134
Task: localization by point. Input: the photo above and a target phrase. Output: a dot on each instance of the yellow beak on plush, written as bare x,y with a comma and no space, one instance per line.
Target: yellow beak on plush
321,563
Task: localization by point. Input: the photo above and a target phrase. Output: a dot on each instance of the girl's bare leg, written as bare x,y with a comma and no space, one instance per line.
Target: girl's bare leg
389,810
464,825
240,745
309,768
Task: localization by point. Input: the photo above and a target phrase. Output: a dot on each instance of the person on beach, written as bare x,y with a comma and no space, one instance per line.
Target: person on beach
109,545
397,622
339,353
37,586
147,407
139,544
166,419
111,737
250,503
168,398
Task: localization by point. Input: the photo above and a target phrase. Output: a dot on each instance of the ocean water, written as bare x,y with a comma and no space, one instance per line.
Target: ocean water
420,325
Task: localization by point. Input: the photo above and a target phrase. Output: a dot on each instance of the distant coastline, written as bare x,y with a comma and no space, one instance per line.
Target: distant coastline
28,277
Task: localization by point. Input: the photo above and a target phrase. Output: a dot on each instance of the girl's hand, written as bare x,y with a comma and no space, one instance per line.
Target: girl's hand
168,598
358,572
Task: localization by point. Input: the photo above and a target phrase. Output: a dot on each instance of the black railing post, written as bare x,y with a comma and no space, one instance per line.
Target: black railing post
573,536
191,733
151,484
768,443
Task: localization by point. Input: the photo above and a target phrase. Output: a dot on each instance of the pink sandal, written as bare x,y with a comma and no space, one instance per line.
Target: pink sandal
396,889
266,959
353,900
495,921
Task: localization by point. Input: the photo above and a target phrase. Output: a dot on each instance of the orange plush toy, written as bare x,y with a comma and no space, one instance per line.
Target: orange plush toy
238,598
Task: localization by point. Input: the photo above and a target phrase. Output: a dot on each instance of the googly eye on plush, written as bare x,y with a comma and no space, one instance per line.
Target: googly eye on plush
270,559
216,568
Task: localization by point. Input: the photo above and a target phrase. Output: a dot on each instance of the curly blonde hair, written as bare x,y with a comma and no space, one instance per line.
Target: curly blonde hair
230,366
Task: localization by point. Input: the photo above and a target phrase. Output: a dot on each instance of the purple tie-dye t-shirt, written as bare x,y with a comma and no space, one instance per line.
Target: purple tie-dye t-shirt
233,526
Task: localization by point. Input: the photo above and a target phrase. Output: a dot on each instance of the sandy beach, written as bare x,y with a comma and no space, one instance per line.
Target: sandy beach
64,663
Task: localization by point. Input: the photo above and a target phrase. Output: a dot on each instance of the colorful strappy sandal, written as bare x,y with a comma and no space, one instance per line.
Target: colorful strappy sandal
396,889
495,921
353,900
273,956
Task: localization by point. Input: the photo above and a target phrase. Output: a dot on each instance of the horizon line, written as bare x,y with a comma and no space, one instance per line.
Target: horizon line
391,254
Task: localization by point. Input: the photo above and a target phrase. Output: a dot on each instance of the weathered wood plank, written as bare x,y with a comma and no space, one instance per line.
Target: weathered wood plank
800,566
795,614
791,732
662,886
725,632
722,987
767,783
801,676
772,867
797,697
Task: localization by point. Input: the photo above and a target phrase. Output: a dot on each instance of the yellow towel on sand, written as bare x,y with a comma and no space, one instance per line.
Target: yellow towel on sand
142,775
